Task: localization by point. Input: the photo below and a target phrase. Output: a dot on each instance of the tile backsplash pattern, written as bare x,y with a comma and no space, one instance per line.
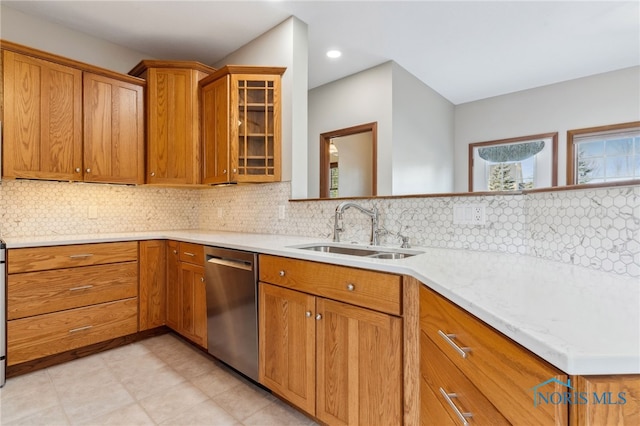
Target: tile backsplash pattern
597,228
34,208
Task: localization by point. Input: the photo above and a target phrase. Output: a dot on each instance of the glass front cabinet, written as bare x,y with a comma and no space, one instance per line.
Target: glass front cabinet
241,125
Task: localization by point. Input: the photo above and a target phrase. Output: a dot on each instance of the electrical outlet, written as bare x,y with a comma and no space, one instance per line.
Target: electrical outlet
281,213
469,214
92,212
477,214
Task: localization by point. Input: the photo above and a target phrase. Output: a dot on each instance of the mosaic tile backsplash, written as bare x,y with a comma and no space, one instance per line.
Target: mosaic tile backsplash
598,229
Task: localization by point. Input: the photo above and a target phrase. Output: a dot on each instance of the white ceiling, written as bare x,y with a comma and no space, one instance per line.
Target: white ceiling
465,50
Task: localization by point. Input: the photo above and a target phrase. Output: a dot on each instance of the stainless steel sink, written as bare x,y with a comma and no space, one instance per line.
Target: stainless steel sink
373,252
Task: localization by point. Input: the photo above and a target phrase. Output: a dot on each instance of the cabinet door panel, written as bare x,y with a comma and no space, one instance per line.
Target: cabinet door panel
153,283
194,303
173,144
215,132
359,365
174,294
287,344
113,131
43,119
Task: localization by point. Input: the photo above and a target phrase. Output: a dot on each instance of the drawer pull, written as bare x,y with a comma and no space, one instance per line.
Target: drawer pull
75,330
281,273
82,287
351,287
80,256
449,339
462,416
318,317
308,314
189,254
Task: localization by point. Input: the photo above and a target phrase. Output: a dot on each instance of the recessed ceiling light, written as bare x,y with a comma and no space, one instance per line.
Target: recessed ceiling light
334,54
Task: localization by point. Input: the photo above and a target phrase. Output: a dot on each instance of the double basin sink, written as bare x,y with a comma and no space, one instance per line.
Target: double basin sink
371,251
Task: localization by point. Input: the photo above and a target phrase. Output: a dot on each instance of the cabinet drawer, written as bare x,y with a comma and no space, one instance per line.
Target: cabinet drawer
35,293
57,257
438,375
374,290
502,370
43,335
192,253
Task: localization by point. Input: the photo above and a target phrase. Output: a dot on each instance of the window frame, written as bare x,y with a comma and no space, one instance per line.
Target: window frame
554,154
572,152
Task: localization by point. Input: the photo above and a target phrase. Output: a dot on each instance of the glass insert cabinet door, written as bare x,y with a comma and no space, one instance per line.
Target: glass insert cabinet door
241,125
257,127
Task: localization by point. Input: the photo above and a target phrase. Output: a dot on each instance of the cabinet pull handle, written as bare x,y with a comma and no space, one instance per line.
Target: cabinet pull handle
80,256
201,279
175,252
189,254
78,169
82,287
318,317
308,314
462,416
281,273
88,170
449,339
75,330
152,174
351,287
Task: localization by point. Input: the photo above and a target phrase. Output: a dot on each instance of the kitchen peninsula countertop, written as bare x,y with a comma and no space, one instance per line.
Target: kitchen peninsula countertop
583,321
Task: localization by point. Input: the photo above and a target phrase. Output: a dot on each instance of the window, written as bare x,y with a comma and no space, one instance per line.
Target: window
514,164
603,154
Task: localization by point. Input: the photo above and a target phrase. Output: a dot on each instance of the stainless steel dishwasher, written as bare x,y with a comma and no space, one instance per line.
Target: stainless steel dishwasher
232,308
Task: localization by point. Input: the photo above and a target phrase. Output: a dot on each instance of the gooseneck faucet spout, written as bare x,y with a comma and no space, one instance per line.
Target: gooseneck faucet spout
338,227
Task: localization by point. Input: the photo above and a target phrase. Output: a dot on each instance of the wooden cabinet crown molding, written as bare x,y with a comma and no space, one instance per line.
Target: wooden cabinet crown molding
242,69
35,53
143,65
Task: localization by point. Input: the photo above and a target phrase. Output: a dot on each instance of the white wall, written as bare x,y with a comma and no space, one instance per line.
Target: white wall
357,99
415,128
422,137
284,45
355,154
44,35
598,100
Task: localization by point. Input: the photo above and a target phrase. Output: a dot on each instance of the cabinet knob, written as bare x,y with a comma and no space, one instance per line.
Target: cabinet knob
88,170
351,287
308,314
175,252
281,273
318,317
153,174
78,169
224,172
235,170
201,279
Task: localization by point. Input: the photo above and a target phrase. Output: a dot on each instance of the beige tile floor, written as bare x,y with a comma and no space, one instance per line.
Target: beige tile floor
158,381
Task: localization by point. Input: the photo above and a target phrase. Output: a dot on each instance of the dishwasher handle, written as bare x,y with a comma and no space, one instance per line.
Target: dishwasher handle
232,263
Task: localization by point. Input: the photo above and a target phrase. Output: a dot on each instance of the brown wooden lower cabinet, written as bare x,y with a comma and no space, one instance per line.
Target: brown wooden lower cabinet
48,334
611,400
338,362
186,292
63,298
153,284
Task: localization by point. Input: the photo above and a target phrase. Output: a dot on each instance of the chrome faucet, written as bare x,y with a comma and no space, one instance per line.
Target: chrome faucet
337,224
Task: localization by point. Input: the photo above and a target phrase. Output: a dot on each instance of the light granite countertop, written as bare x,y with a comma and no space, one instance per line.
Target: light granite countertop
585,322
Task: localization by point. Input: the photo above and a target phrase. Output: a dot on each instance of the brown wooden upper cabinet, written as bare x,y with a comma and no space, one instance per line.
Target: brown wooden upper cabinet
64,120
173,134
241,124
